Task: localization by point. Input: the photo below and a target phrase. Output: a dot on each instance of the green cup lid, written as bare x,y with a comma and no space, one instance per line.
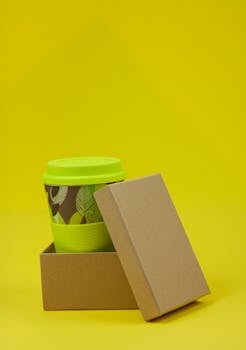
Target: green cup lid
83,171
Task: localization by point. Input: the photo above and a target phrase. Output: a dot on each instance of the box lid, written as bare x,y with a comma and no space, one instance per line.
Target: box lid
152,245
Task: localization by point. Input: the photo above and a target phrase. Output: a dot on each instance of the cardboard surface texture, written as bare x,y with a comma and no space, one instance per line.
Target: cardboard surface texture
152,245
84,281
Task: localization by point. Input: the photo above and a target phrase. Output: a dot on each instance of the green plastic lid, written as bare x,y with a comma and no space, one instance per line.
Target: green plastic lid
83,171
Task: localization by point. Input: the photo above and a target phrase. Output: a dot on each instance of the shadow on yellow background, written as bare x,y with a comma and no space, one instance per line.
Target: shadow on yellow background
160,85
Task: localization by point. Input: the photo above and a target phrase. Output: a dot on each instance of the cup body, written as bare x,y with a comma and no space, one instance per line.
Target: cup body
76,221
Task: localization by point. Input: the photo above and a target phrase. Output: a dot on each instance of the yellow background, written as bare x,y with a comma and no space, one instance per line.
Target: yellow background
161,84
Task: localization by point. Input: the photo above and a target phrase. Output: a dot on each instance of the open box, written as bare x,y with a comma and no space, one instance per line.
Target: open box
154,267
84,281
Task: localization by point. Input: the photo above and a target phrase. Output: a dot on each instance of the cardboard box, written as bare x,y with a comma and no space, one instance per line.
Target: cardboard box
84,281
158,262
151,244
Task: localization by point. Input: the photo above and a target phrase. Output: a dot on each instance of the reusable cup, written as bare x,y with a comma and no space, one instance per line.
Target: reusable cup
76,221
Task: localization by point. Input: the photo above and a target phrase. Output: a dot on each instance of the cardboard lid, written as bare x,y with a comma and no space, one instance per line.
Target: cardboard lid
152,245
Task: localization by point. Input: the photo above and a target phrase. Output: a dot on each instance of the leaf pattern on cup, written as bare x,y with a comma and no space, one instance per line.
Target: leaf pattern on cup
73,204
86,204
58,194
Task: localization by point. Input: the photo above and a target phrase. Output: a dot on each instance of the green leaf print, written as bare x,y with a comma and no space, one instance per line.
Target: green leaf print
86,204
75,219
58,219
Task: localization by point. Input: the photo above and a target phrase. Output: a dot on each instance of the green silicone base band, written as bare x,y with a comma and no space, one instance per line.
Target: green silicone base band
81,238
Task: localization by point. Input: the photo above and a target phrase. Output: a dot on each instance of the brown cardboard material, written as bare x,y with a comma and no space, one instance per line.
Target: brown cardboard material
151,244
84,281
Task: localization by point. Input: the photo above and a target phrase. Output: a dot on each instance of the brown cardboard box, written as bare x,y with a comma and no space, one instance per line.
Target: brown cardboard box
151,246
84,281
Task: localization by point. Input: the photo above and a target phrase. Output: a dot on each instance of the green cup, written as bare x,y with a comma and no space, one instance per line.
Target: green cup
76,221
